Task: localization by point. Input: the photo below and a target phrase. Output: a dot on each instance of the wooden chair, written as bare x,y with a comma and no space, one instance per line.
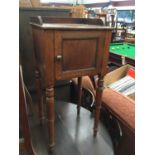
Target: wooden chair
25,142
103,16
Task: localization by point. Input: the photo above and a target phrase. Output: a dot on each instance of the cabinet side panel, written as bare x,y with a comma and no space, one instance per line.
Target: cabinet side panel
38,46
44,54
106,53
49,39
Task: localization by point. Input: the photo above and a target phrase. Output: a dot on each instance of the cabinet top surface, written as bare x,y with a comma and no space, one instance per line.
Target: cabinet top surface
71,26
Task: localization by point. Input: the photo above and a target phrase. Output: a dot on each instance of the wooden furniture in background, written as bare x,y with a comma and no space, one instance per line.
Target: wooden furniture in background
130,37
102,16
130,40
25,3
29,3
77,11
26,142
66,48
119,34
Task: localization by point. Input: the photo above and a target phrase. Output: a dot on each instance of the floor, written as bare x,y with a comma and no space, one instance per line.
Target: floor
74,135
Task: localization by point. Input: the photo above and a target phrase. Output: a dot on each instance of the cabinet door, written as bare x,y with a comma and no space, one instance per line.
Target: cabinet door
78,53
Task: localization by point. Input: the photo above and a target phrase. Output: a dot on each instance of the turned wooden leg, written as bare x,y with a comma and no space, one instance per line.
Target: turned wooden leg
40,97
98,104
50,115
79,94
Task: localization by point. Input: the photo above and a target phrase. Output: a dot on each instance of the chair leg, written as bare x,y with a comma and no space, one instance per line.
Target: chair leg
98,104
79,94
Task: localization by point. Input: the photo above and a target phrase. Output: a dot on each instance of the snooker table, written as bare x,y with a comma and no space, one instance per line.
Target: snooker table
122,53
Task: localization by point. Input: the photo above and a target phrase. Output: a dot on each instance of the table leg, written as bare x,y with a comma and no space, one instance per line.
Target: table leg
98,104
123,60
79,94
50,115
40,97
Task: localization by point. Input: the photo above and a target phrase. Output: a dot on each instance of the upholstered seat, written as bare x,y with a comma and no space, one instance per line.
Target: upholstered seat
121,106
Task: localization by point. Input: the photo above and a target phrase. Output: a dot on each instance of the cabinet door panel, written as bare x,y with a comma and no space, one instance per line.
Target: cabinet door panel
78,53
75,56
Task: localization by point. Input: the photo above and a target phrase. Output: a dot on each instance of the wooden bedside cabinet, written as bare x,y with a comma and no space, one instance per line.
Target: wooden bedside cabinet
66,48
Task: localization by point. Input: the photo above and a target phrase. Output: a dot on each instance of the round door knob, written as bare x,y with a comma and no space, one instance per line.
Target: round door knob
58,57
